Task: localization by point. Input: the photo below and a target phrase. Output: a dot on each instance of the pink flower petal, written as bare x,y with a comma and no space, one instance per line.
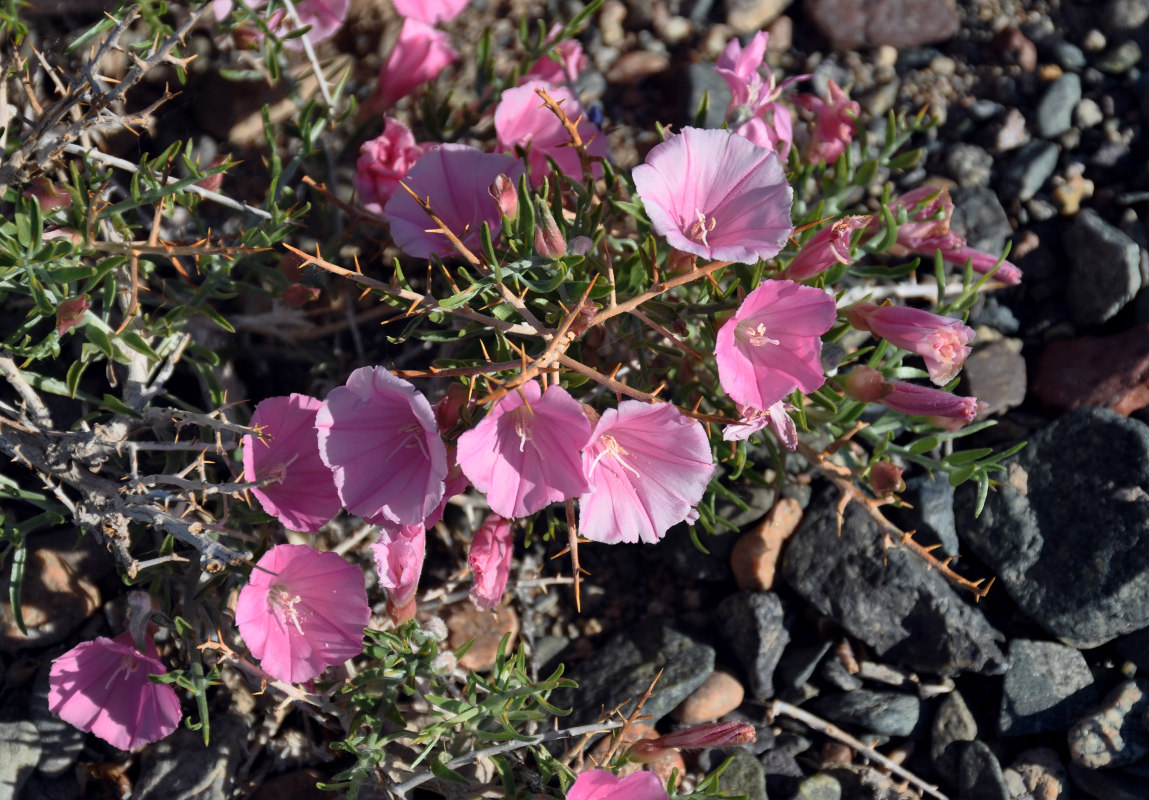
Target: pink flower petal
420,53
383,162
600,784
648,466
490,561
378,435
399,554
525,453
430,12
302,611
305,498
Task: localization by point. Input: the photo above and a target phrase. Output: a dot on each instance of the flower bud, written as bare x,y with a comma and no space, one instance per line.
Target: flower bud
549,242
697,737
213,182
299,294
70,313
886,478
506,197
866,385
50,196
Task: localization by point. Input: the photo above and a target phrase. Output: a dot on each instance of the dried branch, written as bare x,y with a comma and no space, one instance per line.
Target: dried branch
33,405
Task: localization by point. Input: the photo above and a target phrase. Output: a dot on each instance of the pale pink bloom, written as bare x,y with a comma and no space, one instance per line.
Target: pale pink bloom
523,122
772,345
562,64
827,247
430,11
303,496
378,435
506,196
929,211
941,341
302,611
984,263
754,420
456,178
383,162
399,553
490,561
648,466
731,204
322,17
773,131
601,784
525,453
419,55
102,687
834,123
752,84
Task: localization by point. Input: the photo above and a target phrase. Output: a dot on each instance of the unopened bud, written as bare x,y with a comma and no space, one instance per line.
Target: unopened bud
697,737
450,405
679,262
48,194
213,182
886,478
859,315
70,313
549,241
299,294
506,197
866,385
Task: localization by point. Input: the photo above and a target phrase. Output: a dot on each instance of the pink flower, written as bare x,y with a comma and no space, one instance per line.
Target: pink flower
525,453
302,611
941,341
562,64
732,204
490,561
383,162
648,466
48,194
754,420
303,496
984,263
522,121
927,228
772,344
696,737
834,124
752,84
70,313
323,17
456,178
601,784
102,687
378,435
827,247
399,554
868,386
886,478
419,55
430,12
773,131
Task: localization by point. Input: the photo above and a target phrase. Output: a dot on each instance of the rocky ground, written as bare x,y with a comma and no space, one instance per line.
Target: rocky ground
1038,692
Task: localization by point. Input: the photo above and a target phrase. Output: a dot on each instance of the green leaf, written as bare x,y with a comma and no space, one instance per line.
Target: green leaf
100,339
137,343
216,317
117,406
16,585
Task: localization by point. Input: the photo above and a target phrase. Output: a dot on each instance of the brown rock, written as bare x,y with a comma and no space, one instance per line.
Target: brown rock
750,16
719,694
636,66
1105,372
487,628
755,554
850,24
1017,48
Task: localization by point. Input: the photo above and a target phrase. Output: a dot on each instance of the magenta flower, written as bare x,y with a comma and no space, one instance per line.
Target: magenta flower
754,420
303,496
648,466
601,784
419,55
562,64
773,131
927,227
752,84
946,409
490,561
522,121
102,687
827,247
732,204
383,162
834,124
525,453
302,611
941,341
696,737
322,17
430,12
378,435
984,263
457,179
399,561
772,344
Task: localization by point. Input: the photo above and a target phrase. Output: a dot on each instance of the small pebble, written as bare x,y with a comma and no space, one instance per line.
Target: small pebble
1094,41
755,555
718,695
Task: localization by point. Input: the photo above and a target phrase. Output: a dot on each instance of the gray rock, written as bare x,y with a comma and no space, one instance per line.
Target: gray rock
686,559
1047,687
888,598
979,776
931,511
1030,168
20,749
625,666
1070,514
834,672
1054,113
885,713
1106,785
62,742
1113,735
1105,269
1039,775
952,727
700,79
995,375
979,217
969,165
819,787
750,16
1120,59
799,661
180,767
903,24
751,623
1067,55
1125,16
744,776
783,773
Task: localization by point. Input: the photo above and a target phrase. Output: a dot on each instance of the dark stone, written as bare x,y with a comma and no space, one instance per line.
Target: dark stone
952,727
834,672
1067,55
888,598
1114,734
995,375
1047,687
931,511
701,78
783,773
1135,647
1067,532
751,623
744,776
799,661
1101,371
623,668
819,787
1106,785
686,559
1054,113
1028,171
885,713
969,165
979,217
63,743
1105,269
979,776
850,24
180,767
